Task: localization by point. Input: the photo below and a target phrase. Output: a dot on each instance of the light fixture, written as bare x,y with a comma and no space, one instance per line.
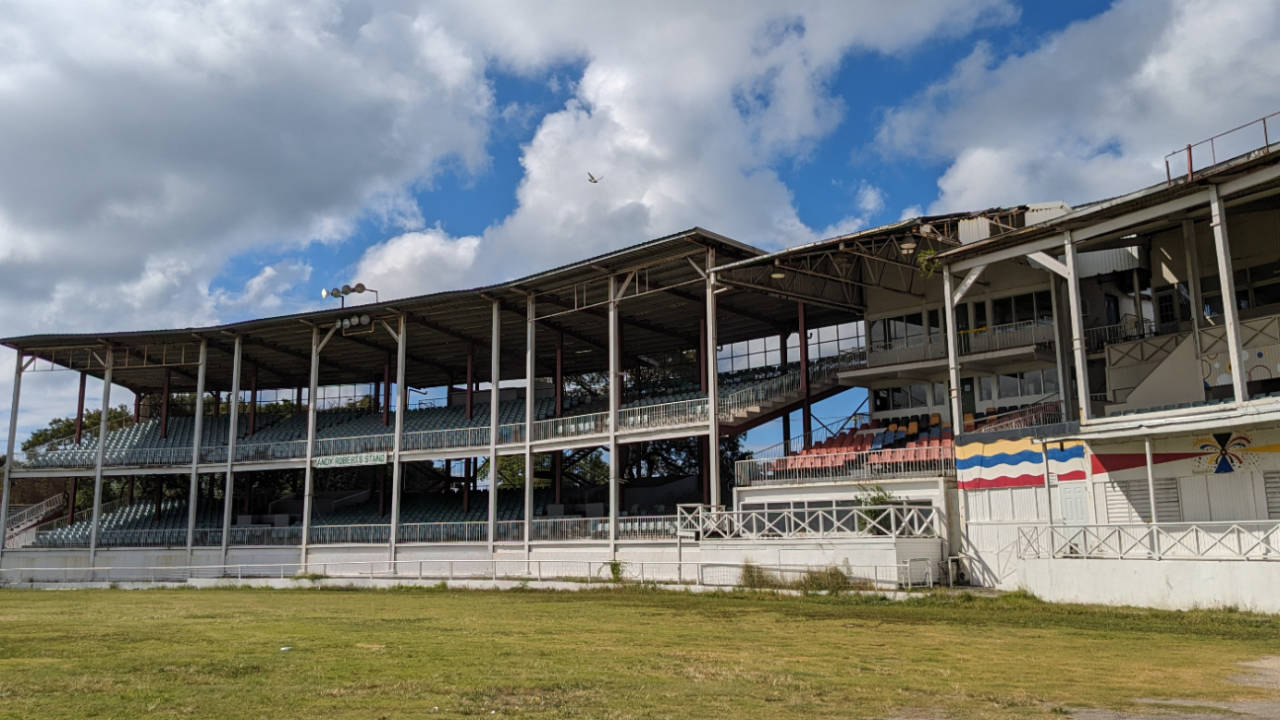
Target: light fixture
907,246
342,292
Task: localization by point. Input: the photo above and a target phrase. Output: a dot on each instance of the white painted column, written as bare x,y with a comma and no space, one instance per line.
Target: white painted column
1227,279
1059,349
713,384
530,348
11,448
308,473
495,379
228,493
953,364
1077,329
397,467
615,398
1151,479
193,493
102,450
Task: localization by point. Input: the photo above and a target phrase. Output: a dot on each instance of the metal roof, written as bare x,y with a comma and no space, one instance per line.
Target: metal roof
660,314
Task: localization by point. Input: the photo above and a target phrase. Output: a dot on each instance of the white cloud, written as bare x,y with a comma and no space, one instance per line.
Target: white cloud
870,198
417,263
1093,109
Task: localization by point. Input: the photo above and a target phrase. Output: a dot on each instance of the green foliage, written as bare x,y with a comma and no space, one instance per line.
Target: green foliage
616,569
59,428
927,261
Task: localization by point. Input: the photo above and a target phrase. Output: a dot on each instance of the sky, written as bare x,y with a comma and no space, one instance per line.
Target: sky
187,163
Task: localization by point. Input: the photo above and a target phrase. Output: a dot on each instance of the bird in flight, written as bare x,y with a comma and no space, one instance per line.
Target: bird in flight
593,179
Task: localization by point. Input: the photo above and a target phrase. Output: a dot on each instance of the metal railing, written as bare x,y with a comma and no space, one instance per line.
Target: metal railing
571,426
837,465
702,522
249,535
1005,336
912,573
32,513
350,445
931,347
672,414
80,516
477,436
822,433
351,534
444,532
1247,540
1129,328
633,527
1045,412
1231,143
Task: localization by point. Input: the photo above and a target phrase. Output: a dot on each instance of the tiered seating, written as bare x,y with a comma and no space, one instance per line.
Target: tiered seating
876,447
436,508
136,525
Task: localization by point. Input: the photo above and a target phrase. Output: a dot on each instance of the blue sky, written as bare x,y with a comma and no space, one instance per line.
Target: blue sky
194,164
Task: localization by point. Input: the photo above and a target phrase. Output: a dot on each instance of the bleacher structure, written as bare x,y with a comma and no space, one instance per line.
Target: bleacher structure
1045,382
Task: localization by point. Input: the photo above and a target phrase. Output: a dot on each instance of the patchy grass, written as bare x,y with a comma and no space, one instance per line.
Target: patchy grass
625,653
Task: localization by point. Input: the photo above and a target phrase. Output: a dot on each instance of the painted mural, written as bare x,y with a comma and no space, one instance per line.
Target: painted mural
1217,453
1016,463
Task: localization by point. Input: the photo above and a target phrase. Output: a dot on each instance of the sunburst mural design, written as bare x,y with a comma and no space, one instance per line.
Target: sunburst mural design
1224,451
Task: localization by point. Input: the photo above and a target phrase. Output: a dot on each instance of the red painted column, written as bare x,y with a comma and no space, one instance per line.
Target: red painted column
80,410
804,376
164,406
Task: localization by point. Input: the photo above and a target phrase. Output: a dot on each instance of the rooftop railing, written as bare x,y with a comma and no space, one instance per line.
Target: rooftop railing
1237,141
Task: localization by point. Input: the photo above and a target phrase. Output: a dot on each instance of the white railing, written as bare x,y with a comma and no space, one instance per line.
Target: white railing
248,535
444,532
477,436
379,533
257,451
672,414
565,529
918,572
934,347
1006,336
856,521
571,426
648,527
32,513
1246,540
354,444
836,465
1031,416
80,516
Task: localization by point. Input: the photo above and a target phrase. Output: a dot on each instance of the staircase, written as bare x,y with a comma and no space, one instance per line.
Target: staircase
761,402
25,521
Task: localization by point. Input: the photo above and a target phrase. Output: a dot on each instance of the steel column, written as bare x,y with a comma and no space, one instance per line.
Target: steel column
253,400
164,404
80,408
495,379
806,414
557,460
713,383
97,465
402,399
529,398
386,394
953,364
308,473
228,493
615,462
1227,279
1059,349
1077,329
12,446
193,494
786,417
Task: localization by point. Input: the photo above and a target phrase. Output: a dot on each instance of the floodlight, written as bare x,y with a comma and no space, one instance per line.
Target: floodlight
365,319
359,287
346,323
324,293
346,289
335,292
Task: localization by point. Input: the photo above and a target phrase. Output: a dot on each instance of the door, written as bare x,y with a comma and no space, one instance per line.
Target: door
967,403
1075,503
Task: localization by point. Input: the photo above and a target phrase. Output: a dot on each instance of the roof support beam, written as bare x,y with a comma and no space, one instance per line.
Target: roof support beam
1048,263
967,283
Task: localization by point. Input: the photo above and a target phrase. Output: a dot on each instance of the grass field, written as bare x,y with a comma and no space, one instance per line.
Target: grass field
412,653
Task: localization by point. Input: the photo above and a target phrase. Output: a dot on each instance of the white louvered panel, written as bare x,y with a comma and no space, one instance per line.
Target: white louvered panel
1271,486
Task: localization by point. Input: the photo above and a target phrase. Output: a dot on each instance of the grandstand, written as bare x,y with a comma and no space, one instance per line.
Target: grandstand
1042,383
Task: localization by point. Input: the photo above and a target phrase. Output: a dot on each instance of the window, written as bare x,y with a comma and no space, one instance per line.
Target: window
880,400
1050,382
1002,311
1112,304
940,394
1031,383
1010,385
986,387
919,395
979,315
1044,305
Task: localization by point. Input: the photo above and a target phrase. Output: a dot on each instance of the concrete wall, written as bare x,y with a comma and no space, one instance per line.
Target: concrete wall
1167,584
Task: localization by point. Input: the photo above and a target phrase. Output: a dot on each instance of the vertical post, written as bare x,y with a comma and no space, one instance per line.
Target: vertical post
495,379
529,399
228,494
71,500
1227,279
1077,329
164,405
97,465
402,399
12,445
713,384
308,474
786,417
1137,298
1193,280
557,459
615,396
953,364
253,399
193,493
386,393
297,399
703,446
80,408
806,416
1059,349
1151,480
